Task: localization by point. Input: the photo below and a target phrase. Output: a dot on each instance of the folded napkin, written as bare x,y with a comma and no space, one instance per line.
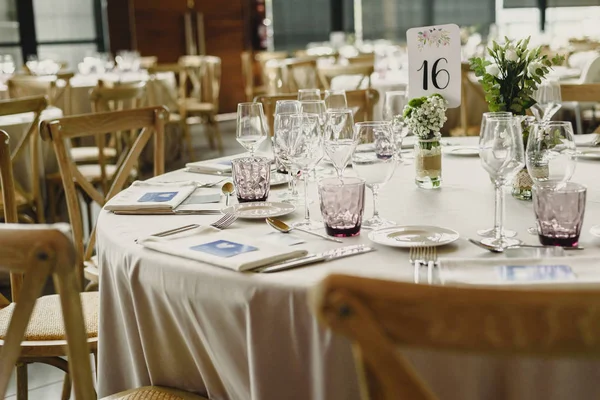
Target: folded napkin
221,248
151,196
219,167
587,140
561,271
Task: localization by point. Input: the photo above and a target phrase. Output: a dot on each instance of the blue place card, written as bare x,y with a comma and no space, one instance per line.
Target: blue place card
157,197
224,248
527,273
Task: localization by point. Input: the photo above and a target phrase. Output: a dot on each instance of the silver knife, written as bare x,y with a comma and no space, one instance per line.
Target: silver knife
313,258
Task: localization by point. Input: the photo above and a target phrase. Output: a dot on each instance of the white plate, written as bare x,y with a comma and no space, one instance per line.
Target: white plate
279,179
413,236
463,151
260,209
589,154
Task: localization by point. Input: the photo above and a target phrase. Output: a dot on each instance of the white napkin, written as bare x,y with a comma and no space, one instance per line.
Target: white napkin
151,196
559,271
222,166
221,248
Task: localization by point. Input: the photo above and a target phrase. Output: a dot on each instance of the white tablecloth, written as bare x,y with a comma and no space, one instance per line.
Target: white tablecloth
169,321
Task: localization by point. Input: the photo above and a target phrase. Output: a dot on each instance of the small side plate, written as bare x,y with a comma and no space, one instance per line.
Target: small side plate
413,236
259,209
462,151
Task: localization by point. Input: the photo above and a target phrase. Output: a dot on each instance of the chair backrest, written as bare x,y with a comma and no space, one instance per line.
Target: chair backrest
123,96
301,73
29,141
55,87
362,59
329,71
253,67
362,102
163,88
150,121
468,88
585,92
148,61
591,71
381,316
200,78
36,252
10,207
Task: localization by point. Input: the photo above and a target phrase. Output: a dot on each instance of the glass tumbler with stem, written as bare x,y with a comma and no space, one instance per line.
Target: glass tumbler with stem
548,99
335,99
305,152
491,232
340,138
502,156
251,128
374,160
283,109
309,94
393,111
319,108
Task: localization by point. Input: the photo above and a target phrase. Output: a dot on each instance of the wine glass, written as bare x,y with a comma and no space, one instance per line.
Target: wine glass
287,106
309,94
305,152
283,139
393,111
491,232
548,99
340,138
551,154
502,156
335,99
251,129
374,160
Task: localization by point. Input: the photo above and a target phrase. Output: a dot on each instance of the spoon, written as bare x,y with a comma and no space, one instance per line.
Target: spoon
227,189
496,249
285,228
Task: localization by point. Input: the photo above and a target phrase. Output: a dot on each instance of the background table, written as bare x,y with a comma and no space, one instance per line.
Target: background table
169,321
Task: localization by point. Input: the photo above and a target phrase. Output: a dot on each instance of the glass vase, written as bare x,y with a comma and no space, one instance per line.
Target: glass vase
522,182
428,162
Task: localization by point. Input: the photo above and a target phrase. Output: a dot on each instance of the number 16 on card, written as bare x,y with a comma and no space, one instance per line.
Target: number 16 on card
434,62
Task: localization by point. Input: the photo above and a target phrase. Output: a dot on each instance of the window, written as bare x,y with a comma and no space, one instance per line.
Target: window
9,31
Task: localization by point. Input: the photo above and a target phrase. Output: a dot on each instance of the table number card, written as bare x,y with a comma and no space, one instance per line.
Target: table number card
434,62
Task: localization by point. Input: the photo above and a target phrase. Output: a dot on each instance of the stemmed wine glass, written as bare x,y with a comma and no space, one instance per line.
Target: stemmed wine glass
340,138
305,153
502,156
282,139
251,129
374,160
548,99
335,99
309,94
393,111
491,232
551,155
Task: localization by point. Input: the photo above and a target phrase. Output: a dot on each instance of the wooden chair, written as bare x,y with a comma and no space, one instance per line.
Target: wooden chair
362,59
32,198
32,253
253,71
467,89
301,73
55,87
148,62
149,120
199,87
582,93
329,71
381,316
362,102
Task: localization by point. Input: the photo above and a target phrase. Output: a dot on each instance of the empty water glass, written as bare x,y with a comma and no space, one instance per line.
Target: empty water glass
340,138
309,94
251,178
548,100
251,129
335,99
342,205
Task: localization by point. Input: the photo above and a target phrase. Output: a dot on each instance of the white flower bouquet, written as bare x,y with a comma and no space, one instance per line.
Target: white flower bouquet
425,116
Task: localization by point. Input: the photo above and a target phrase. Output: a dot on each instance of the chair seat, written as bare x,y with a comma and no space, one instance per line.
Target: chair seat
197,106
154,393
91,153
46,321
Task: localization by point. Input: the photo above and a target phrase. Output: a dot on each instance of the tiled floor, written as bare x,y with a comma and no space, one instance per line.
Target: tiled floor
45,382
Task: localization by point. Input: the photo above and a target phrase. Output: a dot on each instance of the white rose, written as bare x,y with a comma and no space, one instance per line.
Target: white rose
493,70
533,67
511,55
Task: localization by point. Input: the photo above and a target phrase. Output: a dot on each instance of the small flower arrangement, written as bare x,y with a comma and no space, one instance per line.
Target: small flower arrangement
512,75
425,116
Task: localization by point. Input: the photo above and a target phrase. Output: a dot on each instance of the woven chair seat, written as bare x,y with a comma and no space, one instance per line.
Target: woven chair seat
155,393
91,153
47,323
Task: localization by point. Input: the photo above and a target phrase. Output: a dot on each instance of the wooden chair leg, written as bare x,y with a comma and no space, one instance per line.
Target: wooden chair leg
22,384
217,133
66,389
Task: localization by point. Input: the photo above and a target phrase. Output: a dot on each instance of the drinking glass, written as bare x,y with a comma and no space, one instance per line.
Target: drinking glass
305,153
317,107
335,99
559,213
548,99
287,106
283,140
309,94
251,128
502,156
342,205
551,155
393,111
374,160
340,138
491,232
251,178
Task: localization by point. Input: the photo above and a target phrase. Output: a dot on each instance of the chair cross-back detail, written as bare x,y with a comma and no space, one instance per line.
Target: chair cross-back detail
55,87
301,74
328,72
29,141
150,121
199,89
382,316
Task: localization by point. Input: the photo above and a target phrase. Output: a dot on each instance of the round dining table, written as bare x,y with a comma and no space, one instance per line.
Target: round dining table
167,320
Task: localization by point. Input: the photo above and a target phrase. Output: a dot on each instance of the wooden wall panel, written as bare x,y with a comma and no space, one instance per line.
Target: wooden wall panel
119,24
